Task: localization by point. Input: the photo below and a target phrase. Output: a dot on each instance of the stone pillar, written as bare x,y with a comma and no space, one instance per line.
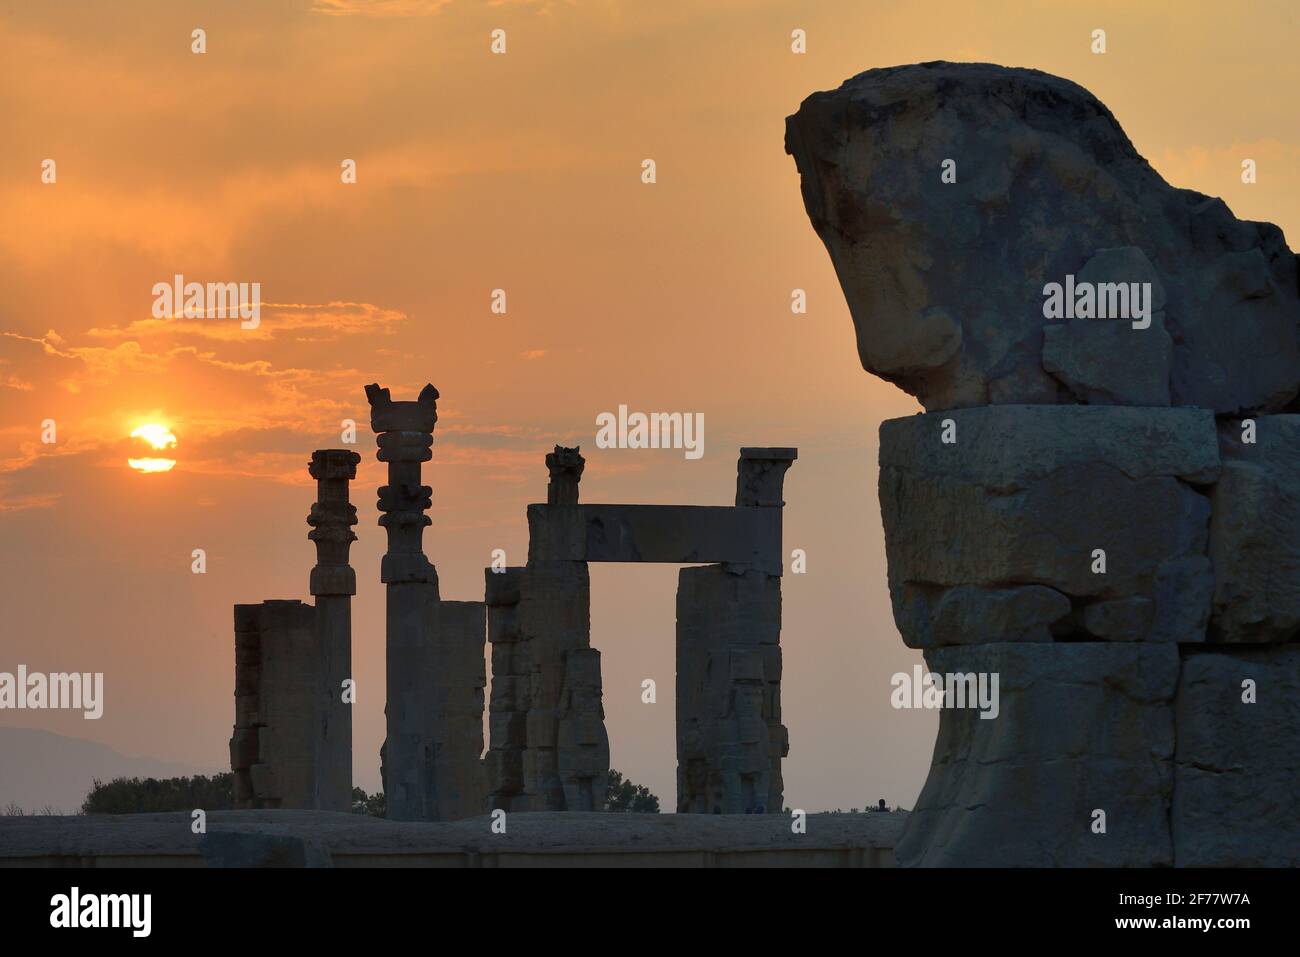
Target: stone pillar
730,739
511,689
565,466
760,476
274,749
456,700
333,583
555,621
582,744
405,438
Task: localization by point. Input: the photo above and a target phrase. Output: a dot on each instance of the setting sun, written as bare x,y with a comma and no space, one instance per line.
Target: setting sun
158,437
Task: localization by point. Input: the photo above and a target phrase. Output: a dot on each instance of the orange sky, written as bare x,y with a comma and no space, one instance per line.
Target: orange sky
478,172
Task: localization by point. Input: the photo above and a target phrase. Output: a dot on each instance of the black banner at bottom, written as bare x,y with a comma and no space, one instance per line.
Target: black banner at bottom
341,905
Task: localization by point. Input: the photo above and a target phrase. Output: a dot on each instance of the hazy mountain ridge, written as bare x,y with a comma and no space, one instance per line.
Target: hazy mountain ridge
40,768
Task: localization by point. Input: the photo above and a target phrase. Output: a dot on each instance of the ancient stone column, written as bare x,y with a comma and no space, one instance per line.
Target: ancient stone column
333,583
511,684
730,739
555,622
405,437
456,701
274,747
582,744
565,466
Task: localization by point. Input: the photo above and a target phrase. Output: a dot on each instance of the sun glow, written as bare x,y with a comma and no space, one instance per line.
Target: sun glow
158,437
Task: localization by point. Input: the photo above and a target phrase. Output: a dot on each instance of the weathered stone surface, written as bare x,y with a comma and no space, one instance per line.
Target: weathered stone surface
557,839
554,624
929,617
760,476
1080,727
1237,777
582,744
503,765
455,701
679,534
1006,447
1109,361
1255,531
278,718
246,849
945,280
730,739
1027,496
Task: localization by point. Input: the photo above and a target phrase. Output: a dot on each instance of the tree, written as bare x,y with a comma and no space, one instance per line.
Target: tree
151,795
372,804
626,797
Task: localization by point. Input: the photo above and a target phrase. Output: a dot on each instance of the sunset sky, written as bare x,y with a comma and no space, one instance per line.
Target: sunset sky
475,172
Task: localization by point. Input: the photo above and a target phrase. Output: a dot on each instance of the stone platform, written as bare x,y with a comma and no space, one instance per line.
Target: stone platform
532,839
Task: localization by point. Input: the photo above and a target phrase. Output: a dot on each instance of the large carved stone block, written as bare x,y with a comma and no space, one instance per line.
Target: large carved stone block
944,277
1236,776
1255,531
1031,522
1080,728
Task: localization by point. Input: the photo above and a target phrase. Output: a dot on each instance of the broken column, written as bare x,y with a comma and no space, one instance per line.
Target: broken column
730,739
456,703
333,583
511,689
565,466
555,621
582,744
1069,517
292,743
405,438
274,751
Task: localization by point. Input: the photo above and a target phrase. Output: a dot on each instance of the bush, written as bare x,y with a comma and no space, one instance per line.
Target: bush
372,804
151,795
628,798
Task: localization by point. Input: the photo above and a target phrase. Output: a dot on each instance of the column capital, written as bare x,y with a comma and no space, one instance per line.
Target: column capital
332,517
760,476
565,466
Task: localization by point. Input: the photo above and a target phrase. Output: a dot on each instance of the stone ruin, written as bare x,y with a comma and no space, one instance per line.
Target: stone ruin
1105,513
548,749
292,742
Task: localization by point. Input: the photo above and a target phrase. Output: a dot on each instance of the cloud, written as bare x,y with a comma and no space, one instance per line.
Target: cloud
379,8
334,318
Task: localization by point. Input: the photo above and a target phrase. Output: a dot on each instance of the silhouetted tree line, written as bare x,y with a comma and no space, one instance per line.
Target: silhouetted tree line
149,795
217,793
626,797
